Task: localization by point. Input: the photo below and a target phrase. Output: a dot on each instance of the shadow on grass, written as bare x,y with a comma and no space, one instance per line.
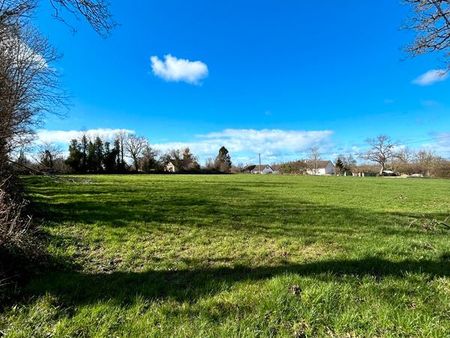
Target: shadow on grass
189,285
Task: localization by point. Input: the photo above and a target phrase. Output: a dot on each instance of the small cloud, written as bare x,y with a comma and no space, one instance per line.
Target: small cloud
176,70
431,77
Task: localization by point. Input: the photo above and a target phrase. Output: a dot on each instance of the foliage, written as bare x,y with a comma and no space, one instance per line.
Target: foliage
294,167
222,162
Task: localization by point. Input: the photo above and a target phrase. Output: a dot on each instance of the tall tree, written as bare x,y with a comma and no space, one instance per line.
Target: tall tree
381,151
119,144
75,156
314,158
28,85
223,160
110,158
28,82
339,166
95,153
84,144
134,146
189,161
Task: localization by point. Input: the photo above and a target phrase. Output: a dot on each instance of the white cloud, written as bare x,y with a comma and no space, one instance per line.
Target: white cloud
431,77
273,144
174,69
65,136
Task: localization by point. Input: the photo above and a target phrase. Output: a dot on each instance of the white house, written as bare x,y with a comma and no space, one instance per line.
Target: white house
265,169
170,167
322,168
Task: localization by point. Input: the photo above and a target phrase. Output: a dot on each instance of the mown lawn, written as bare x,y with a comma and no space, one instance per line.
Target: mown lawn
239,255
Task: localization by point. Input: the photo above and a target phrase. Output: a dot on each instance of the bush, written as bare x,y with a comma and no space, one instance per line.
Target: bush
18,246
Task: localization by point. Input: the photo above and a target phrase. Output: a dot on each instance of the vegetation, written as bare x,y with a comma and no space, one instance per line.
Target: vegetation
28,90
238,255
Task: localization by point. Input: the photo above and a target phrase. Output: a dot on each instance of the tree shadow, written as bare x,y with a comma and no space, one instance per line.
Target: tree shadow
189,285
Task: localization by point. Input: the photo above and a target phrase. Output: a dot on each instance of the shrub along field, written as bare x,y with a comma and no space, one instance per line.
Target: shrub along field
238,255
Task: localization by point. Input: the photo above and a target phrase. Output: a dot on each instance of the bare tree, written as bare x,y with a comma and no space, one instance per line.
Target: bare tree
432,24
135,145
48,154
28,85
314,158
381,151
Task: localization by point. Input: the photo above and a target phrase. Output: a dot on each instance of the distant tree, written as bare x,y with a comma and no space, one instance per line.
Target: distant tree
119,144
75,156
173,156
95,155
209,164
339,166
48,154
134,146
294,167
84,144
381,151
223,160
432,24
345,164
149,161
110,158
425,161
349,163
238,168
314,158
189,161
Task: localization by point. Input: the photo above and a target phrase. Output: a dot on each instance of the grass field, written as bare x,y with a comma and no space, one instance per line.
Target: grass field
239,255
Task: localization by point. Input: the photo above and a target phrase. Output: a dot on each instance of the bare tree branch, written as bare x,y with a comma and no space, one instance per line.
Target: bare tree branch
96,12
431,21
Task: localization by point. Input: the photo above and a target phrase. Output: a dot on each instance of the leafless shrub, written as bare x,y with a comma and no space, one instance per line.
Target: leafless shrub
14,224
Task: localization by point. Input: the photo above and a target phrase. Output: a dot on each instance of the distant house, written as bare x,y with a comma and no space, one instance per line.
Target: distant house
322,168
170,168
263,169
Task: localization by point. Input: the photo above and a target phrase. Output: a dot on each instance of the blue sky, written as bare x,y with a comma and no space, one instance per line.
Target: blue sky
272,77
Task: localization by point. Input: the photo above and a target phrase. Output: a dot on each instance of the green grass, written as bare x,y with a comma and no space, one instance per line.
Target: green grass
220,256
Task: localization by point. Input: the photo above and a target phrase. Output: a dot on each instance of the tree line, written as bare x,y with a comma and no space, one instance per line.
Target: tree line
127,153
381,155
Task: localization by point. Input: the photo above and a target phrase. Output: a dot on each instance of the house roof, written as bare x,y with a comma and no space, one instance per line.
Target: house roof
322,164
263,166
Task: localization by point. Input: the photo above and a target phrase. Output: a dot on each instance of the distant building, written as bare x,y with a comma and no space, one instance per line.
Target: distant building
322,168
263,169
170,168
